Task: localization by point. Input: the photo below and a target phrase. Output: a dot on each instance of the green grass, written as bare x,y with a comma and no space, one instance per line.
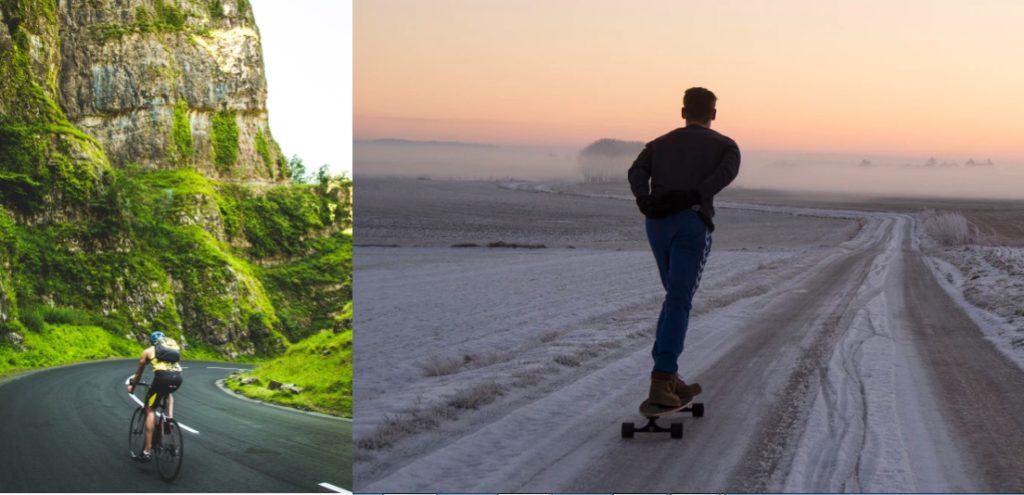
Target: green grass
65,343
181,274
320,364
58,344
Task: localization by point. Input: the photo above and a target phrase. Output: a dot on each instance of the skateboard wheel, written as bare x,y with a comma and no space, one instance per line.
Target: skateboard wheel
698,410
627,430
676,430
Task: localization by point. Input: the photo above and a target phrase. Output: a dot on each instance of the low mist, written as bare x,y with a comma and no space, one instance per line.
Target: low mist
889,176
608,159
454,160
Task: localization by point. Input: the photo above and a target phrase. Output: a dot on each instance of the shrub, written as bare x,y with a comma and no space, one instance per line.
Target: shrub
168,16
949,228
33,320
441,365
477,396
216,10
264,151
224,137
181,133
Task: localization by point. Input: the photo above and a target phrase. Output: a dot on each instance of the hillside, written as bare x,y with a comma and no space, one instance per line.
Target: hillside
141,189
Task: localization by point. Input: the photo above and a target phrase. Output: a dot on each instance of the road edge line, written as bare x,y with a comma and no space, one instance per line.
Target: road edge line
232,393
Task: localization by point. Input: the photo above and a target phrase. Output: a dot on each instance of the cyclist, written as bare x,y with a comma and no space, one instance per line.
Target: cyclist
164,355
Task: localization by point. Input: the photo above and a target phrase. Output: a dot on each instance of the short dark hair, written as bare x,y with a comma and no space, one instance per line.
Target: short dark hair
699,103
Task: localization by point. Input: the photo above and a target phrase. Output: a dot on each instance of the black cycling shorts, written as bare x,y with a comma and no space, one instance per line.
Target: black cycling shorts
164,383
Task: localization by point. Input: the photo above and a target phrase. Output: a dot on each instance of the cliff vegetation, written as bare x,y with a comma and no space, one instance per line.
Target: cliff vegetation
141,189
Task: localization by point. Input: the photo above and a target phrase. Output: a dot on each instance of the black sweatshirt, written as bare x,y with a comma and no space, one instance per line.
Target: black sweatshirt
694,158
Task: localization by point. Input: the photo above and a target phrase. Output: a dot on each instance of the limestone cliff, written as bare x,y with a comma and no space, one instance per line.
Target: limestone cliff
140,185
46,161
164,83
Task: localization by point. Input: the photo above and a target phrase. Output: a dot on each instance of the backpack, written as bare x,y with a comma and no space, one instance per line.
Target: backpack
167,350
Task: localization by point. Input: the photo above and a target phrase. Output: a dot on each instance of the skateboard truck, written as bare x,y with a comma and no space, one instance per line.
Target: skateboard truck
675,429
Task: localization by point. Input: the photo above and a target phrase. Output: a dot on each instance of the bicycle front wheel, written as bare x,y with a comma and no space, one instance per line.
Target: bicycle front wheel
137,432
170,451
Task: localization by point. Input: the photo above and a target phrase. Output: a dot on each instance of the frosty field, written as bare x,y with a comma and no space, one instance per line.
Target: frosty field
840,347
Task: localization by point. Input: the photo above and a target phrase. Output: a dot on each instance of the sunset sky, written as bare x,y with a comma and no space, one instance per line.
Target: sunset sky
897,78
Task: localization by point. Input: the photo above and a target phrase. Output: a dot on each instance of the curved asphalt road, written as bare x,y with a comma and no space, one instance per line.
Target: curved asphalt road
66,430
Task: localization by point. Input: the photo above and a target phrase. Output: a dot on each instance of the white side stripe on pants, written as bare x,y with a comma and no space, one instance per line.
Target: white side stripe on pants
703,260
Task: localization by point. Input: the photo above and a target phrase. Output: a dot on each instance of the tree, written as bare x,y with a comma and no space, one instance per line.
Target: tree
323,176
296,169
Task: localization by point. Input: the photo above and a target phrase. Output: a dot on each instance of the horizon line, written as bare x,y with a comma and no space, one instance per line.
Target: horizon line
861,154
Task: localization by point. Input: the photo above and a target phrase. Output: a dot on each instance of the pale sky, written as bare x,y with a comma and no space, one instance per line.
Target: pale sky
935,77
307,48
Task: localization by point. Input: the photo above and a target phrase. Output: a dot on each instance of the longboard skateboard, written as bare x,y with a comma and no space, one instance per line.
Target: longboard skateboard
653,412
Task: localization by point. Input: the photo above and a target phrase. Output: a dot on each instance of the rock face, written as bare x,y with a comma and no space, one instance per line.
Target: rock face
168,83
47,163
140,185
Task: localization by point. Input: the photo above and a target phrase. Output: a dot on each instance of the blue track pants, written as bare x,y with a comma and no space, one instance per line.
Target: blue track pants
680,243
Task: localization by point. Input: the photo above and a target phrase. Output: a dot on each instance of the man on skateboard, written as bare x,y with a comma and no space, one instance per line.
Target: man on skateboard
675,179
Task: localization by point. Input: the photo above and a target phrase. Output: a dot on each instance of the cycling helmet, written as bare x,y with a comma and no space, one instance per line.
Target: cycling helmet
155,336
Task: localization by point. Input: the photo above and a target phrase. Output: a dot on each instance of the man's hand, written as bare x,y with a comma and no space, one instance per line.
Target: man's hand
131,387
652,207
646,205
681,200
667,204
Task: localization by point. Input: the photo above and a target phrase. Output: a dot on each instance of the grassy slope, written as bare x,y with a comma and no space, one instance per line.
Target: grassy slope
321,364
62,344
307,287
59,344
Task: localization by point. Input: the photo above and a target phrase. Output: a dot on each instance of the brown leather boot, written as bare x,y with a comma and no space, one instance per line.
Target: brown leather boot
662,390
685,392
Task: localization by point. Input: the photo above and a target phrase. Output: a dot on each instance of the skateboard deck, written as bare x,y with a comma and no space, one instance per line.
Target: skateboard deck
649,410
653,412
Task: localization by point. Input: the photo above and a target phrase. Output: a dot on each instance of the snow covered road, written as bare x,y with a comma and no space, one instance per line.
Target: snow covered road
846,368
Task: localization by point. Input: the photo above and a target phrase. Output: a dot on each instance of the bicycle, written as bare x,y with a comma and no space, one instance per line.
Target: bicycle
168,448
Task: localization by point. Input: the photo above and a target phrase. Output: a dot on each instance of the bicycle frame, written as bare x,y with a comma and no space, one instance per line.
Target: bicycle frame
160,422
159,405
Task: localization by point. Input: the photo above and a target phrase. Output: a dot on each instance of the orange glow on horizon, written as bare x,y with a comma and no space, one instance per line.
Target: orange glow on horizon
923,78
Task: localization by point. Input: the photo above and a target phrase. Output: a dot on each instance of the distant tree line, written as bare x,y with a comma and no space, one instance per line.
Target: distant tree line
606,160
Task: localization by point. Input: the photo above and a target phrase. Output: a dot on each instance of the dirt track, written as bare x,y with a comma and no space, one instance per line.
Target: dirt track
849,371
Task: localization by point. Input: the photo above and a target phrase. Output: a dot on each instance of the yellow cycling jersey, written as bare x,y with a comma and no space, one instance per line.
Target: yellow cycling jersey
159,365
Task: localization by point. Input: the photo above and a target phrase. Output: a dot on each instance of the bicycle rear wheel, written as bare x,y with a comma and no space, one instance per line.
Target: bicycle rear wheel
170,451
137,432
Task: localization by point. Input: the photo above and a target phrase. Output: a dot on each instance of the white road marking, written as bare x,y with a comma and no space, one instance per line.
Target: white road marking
140,403
219,368
186,428
335,488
